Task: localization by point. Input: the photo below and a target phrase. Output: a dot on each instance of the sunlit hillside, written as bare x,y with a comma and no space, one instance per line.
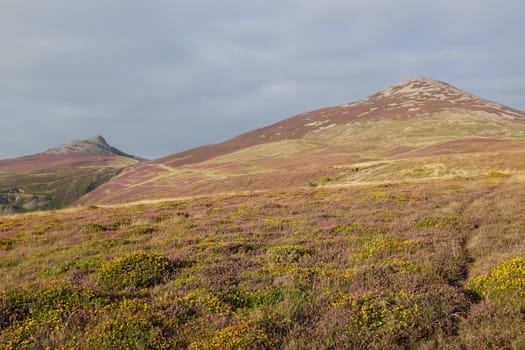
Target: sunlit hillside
416,129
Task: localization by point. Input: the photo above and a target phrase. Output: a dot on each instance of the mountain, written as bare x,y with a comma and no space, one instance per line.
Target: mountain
415,129
93,145
60,175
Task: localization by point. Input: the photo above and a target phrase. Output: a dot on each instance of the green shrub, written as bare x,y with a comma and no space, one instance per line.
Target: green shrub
39,318
239,336
271,296
506,282
18,304
130,333
439,222
127,324
288,253
135,270
382,245
84,264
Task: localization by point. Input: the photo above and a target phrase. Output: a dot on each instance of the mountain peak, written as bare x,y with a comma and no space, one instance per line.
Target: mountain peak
98,140
95,144
421,79
422,95
420,88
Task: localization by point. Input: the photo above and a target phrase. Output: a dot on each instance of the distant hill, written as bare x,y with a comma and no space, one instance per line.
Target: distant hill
60,175
93,145
415,129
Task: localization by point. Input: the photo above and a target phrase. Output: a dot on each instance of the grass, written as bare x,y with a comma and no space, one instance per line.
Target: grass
55,188
421,131
429,264
449,144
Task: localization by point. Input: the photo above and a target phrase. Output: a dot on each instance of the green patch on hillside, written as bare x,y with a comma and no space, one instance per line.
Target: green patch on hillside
45,190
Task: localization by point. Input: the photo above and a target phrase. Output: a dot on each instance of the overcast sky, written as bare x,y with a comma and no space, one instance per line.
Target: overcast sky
157,77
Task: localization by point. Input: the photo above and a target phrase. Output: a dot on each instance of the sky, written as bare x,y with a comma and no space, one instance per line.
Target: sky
161,76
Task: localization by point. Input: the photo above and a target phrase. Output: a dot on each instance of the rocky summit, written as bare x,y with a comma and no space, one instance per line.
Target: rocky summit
95,144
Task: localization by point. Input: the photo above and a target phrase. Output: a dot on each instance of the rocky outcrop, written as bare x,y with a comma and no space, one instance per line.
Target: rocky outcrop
96,144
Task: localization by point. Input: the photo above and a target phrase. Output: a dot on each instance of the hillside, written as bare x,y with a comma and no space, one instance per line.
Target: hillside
60,175
435,264
416,129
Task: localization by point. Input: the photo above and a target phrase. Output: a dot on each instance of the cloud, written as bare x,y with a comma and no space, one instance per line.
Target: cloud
159,77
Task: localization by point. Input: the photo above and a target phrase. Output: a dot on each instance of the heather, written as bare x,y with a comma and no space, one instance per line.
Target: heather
429,264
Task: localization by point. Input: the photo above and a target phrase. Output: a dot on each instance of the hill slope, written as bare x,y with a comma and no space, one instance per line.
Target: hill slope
418,128
437,264
60,175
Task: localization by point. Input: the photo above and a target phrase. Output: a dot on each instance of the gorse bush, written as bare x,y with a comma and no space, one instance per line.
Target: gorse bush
135,270
236,337
396,314
381,245
505,283
39,316
16,305
131,333
127,325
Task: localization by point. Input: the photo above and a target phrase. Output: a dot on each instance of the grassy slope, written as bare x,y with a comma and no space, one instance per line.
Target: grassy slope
442,145
57,187
372,266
